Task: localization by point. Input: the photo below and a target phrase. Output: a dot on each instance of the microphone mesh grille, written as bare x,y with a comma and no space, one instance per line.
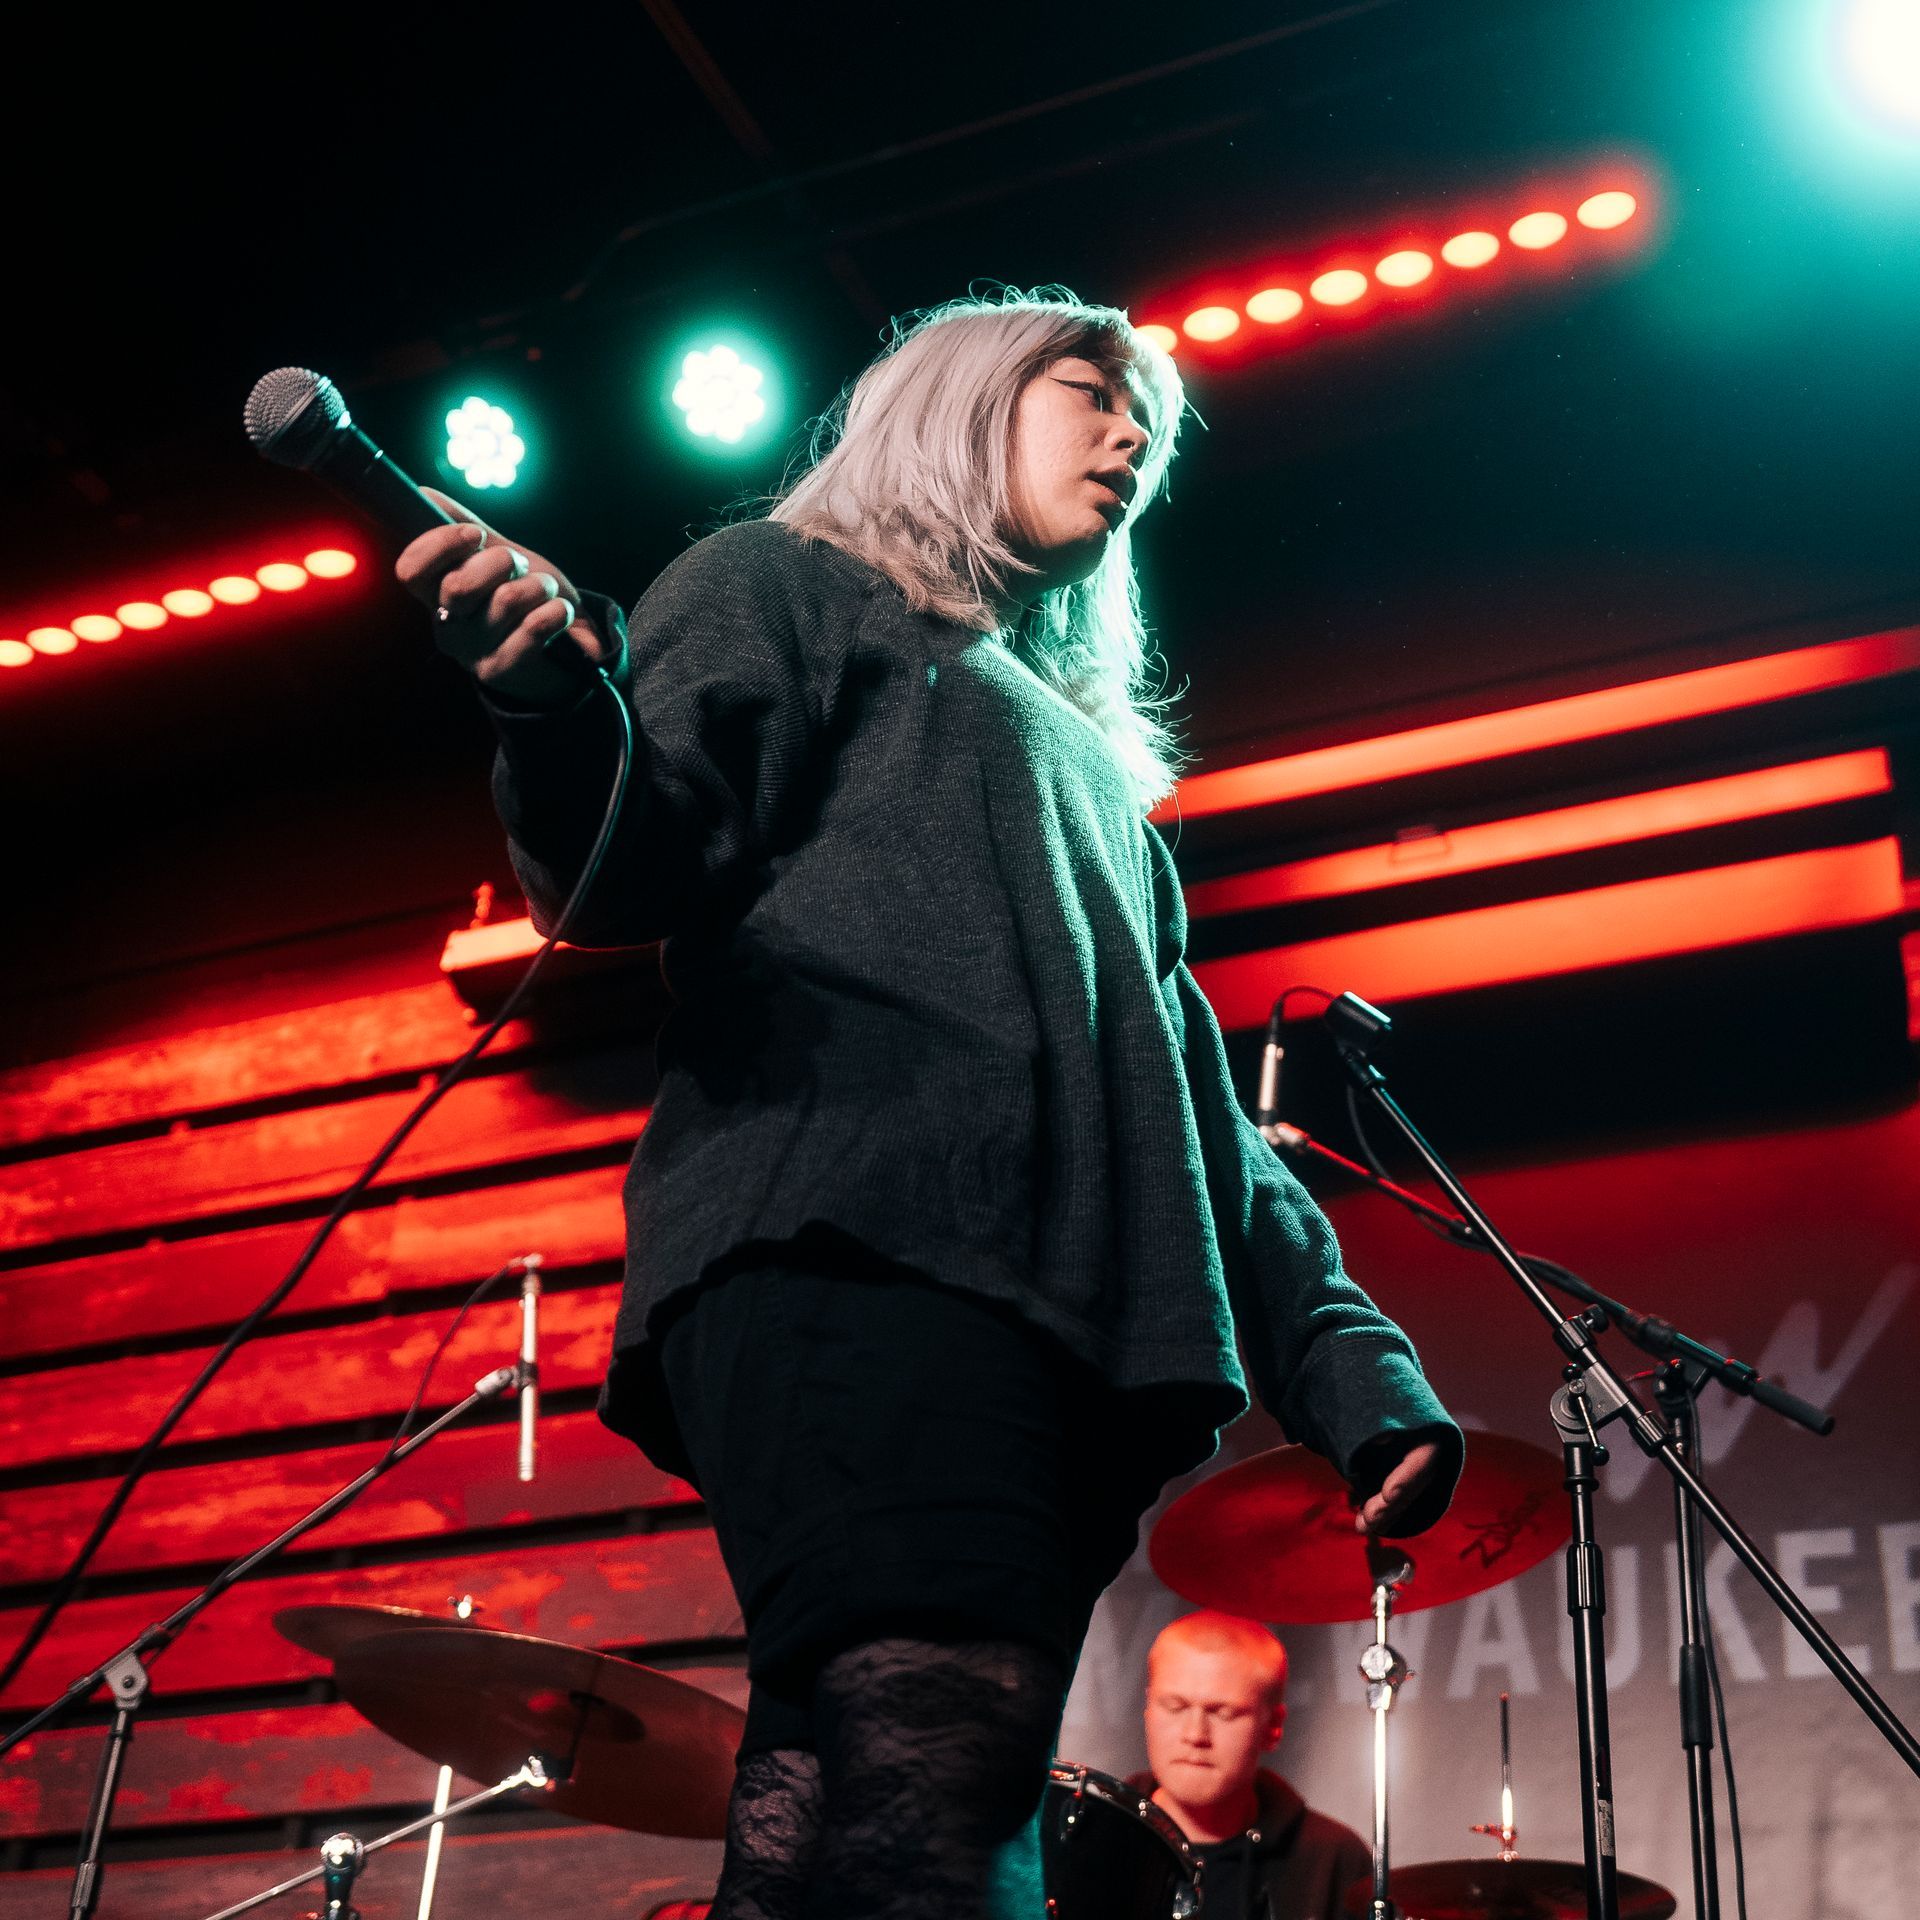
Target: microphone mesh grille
291,414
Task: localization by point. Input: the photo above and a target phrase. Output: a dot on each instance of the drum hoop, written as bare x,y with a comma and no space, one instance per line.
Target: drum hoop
1090,1781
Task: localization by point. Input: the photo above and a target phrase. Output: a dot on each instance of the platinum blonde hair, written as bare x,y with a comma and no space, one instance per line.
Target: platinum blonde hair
912,470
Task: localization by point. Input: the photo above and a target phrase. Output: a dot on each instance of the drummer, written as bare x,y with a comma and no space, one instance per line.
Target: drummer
1216,1704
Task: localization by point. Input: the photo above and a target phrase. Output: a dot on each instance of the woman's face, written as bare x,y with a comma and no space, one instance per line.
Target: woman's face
1079,435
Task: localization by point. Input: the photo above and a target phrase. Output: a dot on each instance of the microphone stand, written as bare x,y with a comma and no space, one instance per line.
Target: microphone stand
1592,1395
125,1672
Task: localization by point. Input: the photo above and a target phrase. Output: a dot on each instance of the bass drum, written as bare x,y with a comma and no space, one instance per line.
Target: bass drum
1109,1853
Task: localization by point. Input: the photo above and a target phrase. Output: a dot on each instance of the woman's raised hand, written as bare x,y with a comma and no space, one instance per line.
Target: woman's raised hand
496,606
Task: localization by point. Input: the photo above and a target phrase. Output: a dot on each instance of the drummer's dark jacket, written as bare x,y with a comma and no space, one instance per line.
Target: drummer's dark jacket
927,954
1294,1864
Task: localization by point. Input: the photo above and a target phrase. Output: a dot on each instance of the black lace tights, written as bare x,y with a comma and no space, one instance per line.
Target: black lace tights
920,1802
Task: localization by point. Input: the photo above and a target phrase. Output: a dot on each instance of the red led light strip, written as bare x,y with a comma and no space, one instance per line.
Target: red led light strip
1677,913
1410,267
1539,836
1548,723
52,641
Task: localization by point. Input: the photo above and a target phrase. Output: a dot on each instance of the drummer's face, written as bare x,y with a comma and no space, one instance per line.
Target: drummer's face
1210,1716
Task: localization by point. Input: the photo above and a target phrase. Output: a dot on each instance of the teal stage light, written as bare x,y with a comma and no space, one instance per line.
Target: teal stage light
1877,43
482,446
723,392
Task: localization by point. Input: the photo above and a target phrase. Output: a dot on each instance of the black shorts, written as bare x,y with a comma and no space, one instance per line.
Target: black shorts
881,1455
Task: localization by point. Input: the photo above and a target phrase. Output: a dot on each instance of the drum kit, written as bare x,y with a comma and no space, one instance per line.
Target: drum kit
605,1739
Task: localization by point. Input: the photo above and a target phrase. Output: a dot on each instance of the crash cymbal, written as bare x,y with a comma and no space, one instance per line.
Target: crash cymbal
1273,1538
1505,1890
629,1747
331,1631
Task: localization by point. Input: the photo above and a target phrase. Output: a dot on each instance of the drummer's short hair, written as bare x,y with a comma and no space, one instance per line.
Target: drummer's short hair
1210,1631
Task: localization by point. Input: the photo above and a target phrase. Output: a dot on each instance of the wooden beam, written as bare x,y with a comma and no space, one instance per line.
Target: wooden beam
256,1764
628,1590
297,1379
208,1281
305,1158
571,1868
463,1480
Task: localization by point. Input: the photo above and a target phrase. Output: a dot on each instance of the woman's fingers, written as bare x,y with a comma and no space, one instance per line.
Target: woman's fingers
476,624
468,589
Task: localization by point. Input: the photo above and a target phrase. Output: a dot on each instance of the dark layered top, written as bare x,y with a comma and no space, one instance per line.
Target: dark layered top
927,956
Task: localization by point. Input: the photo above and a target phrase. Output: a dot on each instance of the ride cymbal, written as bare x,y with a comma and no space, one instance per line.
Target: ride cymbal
627,1746
1273,1538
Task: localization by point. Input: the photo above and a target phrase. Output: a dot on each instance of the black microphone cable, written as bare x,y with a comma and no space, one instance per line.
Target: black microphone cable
449,1078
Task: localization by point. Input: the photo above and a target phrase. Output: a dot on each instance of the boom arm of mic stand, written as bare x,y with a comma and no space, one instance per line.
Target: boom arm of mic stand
1652,1335
1571,1336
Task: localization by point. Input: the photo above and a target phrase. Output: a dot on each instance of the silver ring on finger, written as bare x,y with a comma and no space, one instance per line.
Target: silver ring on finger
517,564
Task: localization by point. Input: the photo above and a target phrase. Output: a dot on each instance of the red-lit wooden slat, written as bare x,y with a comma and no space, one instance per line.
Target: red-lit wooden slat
251,1765
1547,723
1565,933
622,1591
295,1052
297,1379
392,1249
305,1157
463,1480
1540,836
565,1869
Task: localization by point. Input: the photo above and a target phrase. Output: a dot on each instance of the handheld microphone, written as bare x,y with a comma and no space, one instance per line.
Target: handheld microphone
530,1264
299,419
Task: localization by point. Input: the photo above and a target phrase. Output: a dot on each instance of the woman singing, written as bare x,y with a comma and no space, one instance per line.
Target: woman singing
946,1218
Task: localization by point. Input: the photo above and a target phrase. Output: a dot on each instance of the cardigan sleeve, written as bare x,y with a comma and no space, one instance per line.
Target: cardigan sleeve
729,676
1324,1360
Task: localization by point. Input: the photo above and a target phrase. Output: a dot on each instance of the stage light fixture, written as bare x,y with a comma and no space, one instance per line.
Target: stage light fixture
1213,317
1157,336
53,639
1272,306
1534,231
1470,249
720,394
1604,211
1339,288
1878,42
1210,323
482,446
1405,268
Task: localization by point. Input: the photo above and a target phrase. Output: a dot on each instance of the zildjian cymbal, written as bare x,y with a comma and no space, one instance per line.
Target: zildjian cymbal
1273,1538
626,1746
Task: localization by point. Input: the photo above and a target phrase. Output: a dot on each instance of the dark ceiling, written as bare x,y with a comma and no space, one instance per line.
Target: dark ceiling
1704,450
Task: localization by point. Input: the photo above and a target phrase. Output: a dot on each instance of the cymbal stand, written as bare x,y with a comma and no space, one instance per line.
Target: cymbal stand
125,1673
463,1609
342,1856
1593,1394
1506,1834
1385,1674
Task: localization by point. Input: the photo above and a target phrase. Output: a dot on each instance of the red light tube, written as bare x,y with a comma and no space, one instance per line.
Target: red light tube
1676,913
1548,723
1538,836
